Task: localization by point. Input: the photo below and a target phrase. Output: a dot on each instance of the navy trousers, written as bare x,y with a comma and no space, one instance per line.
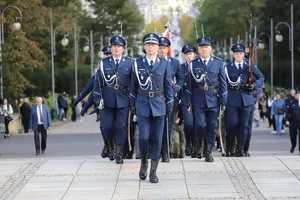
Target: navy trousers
188,124
237,121
205,122
150,135
114,121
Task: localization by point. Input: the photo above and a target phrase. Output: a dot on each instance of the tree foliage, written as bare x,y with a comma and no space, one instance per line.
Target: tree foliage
224,19
27,53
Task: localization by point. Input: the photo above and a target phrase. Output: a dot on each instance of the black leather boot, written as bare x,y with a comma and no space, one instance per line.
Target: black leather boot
104,153
119,154
208,155
111,152
144,167
153,177
165,156
200,151
195,147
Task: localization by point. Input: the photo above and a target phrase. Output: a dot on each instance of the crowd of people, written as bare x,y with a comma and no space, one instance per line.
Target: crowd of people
281,111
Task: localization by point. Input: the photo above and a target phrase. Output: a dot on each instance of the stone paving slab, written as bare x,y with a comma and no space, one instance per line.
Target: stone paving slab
265,177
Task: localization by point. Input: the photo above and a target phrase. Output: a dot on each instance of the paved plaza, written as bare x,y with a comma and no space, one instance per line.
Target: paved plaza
72,169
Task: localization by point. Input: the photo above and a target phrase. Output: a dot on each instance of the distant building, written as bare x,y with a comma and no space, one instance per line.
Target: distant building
154,9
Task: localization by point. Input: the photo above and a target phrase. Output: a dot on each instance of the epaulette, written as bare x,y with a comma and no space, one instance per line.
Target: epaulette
218,58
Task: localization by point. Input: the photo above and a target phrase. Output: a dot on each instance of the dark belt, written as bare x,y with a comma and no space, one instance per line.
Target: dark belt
208,88
118,87
238,87
151,93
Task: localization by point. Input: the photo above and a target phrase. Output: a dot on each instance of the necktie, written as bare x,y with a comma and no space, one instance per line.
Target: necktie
151,64
204,61
117,63
240,68
40,112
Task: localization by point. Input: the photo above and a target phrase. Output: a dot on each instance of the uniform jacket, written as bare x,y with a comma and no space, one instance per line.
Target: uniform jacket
105,84
215,73
239,97
161,83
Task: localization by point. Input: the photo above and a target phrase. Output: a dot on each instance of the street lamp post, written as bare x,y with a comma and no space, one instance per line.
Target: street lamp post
17,27
279,38
261,46
92,53
86,48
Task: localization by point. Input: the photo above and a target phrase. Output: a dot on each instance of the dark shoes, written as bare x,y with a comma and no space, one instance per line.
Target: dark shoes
188,150
104,153
292,149
144,167
239,154
119,154
246,154
209,157
153,177
165,157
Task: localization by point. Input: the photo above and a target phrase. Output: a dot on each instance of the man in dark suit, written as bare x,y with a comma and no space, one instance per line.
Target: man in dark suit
25,111
40,121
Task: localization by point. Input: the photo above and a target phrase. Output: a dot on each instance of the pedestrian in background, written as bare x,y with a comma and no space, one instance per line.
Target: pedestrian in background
278,111
40,121
62,106
7,111
295,115
25,112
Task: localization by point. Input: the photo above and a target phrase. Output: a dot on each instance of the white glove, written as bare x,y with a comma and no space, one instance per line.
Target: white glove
134,119
101,104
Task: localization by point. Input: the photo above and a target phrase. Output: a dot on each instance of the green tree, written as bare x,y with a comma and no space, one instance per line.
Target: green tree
109,15
157,25
22,50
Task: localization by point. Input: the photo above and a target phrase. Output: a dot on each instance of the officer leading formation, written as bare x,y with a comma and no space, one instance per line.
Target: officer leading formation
154,95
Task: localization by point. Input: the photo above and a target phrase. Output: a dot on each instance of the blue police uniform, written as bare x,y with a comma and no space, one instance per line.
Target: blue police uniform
208,89
240,104
258,92
295,117
185,107
152,97
177,76
113,81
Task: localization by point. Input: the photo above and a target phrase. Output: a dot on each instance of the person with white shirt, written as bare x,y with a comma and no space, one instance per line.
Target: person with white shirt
7,111
40,121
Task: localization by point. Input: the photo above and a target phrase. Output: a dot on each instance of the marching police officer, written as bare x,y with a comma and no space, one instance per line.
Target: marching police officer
189,53
240,102
177,82
111,93
152,98
208,90
90,101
